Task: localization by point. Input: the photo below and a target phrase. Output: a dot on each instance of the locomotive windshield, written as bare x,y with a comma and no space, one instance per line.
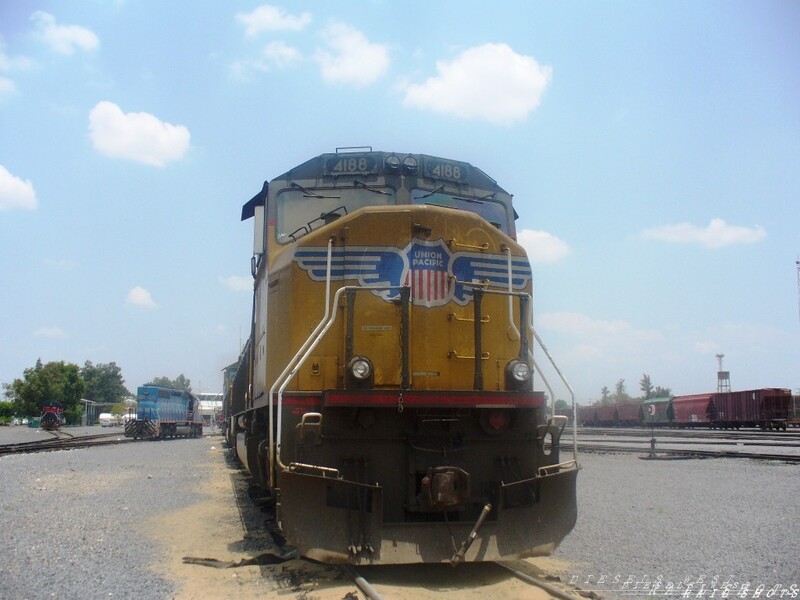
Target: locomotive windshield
300,210
486,207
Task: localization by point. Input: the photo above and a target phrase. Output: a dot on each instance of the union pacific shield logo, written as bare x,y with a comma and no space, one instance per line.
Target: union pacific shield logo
427,274
435,275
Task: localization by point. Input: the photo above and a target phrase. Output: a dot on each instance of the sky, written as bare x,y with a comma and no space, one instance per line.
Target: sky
653,150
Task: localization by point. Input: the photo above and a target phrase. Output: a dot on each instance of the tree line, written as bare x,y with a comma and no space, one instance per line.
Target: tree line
620,394
69,384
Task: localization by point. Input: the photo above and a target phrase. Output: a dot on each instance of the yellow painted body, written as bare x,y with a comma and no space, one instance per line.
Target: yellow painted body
442,346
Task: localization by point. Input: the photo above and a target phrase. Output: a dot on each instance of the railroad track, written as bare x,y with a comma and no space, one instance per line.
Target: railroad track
726,434
58,434
64,442
518,570
684,452
689,443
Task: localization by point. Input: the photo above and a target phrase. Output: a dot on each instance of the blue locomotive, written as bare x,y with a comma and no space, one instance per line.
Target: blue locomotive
165,412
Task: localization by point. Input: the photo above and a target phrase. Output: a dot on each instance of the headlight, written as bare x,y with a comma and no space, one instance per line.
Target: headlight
410,165
518,375
520,371
360,368
392,163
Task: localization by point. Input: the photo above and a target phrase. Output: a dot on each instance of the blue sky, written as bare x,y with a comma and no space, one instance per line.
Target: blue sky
653,149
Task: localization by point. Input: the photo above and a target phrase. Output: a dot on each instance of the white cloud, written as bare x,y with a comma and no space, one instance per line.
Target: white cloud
736,339
7,64
586,328
55,333
281,54
139,296
276,55
16,192
64,39
136,136
351,57
543,247
61,264
717,234
237,283
489,82
271,18
7,87
12,63
597,352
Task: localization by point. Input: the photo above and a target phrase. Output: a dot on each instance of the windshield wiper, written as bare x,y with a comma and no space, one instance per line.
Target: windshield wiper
308,193
431,193
358,182
469,200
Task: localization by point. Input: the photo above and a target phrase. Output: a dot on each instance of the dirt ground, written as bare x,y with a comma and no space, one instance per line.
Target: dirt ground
211,530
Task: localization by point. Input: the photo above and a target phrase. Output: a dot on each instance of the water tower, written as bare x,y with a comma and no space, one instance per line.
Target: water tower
723,377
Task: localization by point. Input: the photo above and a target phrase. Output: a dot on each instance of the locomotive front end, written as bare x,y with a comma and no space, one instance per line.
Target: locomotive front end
391,408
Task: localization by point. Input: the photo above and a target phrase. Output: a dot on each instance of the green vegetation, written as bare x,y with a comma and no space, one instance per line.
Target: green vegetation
180,383
6,412
104,383
65,383
620,394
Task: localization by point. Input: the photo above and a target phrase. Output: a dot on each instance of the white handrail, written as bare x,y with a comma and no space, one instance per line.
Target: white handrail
309,346
544,348
568,386
285,372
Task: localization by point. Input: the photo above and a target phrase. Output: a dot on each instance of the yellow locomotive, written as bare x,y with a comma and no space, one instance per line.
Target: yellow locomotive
385,396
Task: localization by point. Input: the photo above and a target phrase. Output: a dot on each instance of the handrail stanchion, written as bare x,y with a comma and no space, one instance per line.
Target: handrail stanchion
507,250
307,348
272,454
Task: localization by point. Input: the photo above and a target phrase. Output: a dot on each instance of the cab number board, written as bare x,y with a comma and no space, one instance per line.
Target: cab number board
445,169
351,164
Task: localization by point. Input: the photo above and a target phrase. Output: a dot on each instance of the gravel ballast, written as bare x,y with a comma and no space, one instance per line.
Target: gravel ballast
74,523
687,522
81,524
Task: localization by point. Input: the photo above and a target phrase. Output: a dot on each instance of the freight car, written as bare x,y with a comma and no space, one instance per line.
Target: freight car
654,412
621,414
587,416
767,408
164,412
52,416
794,412
694,410
385,397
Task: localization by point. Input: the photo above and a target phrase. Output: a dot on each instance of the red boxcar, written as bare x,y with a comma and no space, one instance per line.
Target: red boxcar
696,410
629,414
625,414
606,415
767,408
587,416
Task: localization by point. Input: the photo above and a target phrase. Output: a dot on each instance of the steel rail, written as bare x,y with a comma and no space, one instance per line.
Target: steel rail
535,581
363,584
53,444
690,432
686,453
